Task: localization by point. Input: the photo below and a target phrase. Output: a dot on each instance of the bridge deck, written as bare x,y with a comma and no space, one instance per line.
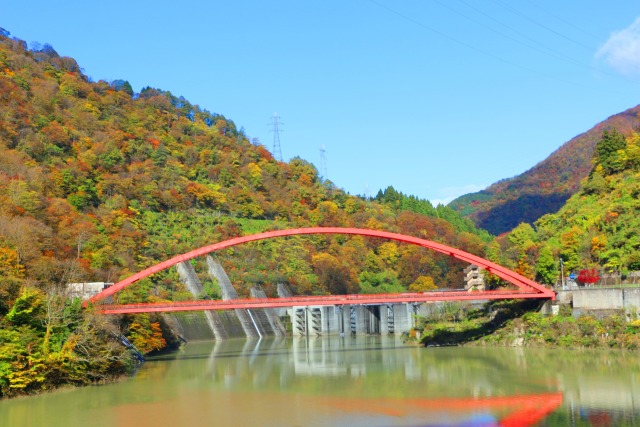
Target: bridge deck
302,301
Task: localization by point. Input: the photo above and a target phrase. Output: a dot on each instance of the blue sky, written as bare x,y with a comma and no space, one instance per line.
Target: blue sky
437,97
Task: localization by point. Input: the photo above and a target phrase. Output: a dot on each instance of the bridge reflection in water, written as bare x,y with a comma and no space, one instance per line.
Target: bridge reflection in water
370,376
353,382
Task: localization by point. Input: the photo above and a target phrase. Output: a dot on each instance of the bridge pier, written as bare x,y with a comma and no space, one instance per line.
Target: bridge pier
402,317
329,320
315,320
370,319
384,320
345,320
358,319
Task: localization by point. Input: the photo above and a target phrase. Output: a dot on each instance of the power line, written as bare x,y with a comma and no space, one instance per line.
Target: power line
482,51
528,18
544,49
446,36
566,22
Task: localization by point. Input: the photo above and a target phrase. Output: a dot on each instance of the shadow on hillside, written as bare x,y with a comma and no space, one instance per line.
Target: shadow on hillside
526,208
496,313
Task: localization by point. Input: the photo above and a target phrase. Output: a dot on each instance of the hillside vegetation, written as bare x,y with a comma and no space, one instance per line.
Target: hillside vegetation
98,182
544,188
598,227
520,323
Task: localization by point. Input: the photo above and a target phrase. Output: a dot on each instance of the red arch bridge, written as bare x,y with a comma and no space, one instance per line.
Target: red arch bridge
525,288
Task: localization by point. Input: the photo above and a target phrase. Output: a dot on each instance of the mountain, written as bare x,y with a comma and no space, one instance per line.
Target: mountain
545,187
597,228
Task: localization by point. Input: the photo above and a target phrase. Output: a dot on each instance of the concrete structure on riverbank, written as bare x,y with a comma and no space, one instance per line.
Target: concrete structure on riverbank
598,301
237,323
189,277
364,319
352,319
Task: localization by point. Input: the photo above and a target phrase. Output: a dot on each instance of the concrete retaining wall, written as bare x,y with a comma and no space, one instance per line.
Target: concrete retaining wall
632,299
602,299
598,299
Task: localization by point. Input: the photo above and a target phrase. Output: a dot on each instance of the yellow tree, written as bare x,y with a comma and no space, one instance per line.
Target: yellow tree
11,273
389,253
9,265
423,284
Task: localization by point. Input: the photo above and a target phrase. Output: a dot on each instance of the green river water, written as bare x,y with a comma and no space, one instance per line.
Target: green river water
363,381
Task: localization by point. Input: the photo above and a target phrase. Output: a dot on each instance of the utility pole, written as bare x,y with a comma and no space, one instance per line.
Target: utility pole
323,162
277,152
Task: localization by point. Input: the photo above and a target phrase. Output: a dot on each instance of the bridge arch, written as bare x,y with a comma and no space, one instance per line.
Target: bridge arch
518,280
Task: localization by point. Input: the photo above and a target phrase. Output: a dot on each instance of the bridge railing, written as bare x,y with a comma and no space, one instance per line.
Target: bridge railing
351,299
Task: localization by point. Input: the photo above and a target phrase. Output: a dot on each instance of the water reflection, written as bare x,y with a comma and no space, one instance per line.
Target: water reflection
381,377
594,386
363,381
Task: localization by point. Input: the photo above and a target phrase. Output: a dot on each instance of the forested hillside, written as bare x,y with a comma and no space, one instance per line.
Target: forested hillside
98,182
545,187
112,181
403,202
598,228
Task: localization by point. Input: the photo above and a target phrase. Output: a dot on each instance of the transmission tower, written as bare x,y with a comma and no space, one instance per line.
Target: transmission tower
277,152
323,162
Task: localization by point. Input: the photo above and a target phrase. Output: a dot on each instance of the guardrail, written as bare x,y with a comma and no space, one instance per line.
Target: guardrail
353,299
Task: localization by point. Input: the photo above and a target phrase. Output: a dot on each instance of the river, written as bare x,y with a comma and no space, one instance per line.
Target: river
363,381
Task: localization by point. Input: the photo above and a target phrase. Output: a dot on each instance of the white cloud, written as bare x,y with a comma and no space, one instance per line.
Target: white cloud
622,50
447,194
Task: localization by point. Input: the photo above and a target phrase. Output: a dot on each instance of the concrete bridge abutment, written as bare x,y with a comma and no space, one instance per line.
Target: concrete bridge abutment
370,319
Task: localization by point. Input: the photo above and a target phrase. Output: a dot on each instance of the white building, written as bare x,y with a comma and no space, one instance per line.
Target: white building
87,289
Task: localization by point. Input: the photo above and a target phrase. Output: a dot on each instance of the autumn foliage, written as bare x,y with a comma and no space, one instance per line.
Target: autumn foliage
545,187
596,230
588,276
98,182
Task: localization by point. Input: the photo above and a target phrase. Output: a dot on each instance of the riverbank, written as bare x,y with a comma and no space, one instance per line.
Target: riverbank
48,344
520,324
